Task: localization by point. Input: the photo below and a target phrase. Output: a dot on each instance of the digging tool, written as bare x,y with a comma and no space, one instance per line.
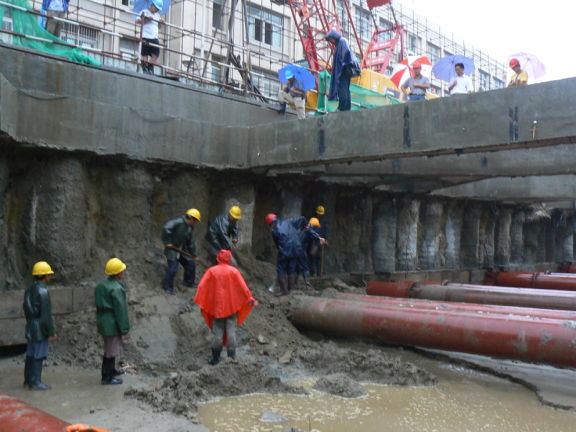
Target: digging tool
322,269
200,260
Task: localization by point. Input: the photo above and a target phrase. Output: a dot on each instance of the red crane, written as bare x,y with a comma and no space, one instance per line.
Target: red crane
379,51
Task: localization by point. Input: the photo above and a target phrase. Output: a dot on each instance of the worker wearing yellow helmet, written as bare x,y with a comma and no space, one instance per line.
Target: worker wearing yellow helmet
223,233
180,247
314,254
112,319
39,325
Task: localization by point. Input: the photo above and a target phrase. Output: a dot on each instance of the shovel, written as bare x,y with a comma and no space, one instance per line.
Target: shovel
200,260
322,269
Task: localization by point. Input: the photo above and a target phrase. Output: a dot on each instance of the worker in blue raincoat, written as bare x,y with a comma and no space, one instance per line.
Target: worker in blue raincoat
310,241
315,255
344,67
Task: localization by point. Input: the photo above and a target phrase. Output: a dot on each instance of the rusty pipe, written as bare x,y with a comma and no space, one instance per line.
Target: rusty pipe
511,337
520,297
530,280
17,416
473,308
566,268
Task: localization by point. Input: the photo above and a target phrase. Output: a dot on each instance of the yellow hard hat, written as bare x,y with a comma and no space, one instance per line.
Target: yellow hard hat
41,268
114,267
315,222
194,213
235,212
320,210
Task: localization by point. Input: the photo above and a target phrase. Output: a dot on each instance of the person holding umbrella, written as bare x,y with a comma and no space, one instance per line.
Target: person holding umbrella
415,87
293,93
520,77
462,84
150,18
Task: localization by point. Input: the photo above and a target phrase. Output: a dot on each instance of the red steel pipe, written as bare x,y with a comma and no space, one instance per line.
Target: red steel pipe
17,416
511,337
566,268
460,307
519,297
530,280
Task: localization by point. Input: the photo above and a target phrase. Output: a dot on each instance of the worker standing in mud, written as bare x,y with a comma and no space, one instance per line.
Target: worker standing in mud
287,239
112,319
225,301
179,233
39,325
223,233
310,241
315,255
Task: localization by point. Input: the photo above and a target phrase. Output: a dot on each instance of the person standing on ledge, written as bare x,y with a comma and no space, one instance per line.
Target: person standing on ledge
223,233
179,233
520,77
293,93
112,319
415,87
39,325
344,67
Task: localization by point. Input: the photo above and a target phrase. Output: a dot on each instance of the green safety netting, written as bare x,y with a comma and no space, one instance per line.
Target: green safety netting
360,95
27,23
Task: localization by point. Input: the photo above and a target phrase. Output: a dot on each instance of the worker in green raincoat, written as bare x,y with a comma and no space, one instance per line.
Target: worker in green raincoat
223,233
179,233
39,325
112,319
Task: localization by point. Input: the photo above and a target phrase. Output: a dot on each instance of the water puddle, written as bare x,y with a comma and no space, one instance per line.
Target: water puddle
469,402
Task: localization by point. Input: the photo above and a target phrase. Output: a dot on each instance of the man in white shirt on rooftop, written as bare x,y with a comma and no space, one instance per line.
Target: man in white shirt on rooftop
150,18
462,84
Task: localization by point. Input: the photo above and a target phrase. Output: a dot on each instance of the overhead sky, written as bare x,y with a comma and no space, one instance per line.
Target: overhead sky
505,27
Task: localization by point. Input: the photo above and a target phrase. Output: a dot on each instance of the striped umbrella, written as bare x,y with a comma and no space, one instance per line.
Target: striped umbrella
403,70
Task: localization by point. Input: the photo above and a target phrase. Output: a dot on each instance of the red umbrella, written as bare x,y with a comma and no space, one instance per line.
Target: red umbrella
403,70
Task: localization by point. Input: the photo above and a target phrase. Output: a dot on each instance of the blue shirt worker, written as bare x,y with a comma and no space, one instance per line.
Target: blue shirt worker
55,9
179,233
310,241
39,325
344,67
223,233
315,257
293,93
415,87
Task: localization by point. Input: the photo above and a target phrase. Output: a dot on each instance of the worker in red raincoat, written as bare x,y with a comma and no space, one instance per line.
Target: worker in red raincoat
225,301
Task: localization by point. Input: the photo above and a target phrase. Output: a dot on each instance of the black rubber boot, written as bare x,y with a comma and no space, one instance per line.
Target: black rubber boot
215,357
113,370
28,370
282,109
36,383
291,282
232,354
283,281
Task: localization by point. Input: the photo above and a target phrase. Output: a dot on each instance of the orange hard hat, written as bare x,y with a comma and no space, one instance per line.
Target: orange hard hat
514,63
314,222
416,65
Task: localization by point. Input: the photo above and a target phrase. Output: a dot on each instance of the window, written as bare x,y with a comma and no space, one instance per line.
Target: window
383,26
216,8
129,3
342,15
433,53
412,44
436,90
128,49
497,84
484,81
363,23
389,70
215,69
265,27
267,86
7,23
80,35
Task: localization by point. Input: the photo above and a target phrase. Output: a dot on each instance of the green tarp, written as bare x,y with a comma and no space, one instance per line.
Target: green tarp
360,95
27,23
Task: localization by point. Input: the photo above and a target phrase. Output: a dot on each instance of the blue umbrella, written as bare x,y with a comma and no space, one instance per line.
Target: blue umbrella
300,73
140,5
444,68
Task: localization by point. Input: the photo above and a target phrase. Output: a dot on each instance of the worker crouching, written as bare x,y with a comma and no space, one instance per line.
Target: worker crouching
225,301
112,319
39,325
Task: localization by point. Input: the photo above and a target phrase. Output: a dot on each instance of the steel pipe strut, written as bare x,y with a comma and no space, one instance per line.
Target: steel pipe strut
530,280
566,268
460,307
511,337
520,297
17,416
